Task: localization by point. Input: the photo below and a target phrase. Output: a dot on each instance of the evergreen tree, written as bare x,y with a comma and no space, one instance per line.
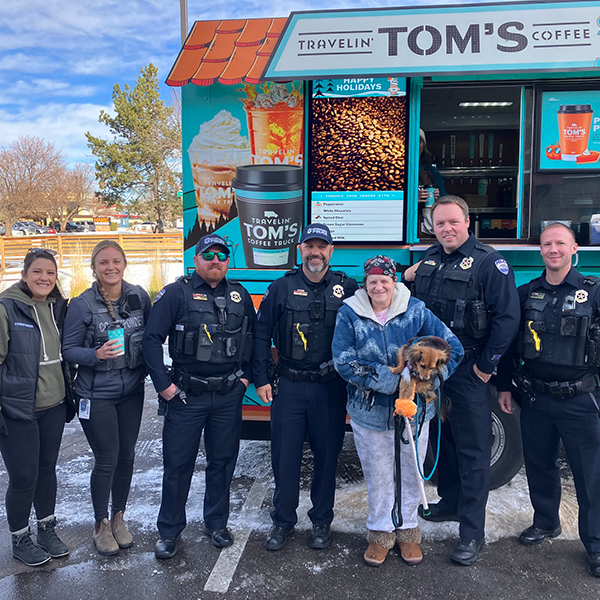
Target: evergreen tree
139,165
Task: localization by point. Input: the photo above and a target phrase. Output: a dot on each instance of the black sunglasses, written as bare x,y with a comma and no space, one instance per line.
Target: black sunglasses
42,251
208,256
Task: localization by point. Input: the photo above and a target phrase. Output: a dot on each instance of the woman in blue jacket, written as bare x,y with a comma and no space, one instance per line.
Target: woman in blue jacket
109,384
371,327
35,400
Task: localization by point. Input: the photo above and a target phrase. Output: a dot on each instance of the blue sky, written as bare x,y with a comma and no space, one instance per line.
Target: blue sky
59,59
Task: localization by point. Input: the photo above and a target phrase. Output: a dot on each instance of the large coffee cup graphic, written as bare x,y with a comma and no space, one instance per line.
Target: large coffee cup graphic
270,205
574,122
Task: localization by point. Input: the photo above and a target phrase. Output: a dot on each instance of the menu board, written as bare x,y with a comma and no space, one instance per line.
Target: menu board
569,130
357,167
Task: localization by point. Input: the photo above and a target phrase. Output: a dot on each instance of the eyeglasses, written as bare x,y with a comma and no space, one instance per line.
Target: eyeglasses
42,251
208,256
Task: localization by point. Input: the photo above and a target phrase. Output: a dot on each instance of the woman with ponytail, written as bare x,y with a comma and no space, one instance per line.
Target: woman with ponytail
35,402
103,335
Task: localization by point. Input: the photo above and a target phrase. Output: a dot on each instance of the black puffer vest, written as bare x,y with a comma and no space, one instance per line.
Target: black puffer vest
20,370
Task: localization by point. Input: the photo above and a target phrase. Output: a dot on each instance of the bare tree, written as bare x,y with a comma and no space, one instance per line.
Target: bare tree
29,169
73,190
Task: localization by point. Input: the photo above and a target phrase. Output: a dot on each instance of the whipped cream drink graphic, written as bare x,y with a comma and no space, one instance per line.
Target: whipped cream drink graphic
215,153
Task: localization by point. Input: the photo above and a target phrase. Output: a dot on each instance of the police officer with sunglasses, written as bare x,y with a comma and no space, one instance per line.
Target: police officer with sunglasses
209,321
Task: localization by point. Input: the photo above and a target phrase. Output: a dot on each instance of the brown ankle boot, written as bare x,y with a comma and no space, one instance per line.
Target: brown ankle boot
104,540
119,531
380,543
408,542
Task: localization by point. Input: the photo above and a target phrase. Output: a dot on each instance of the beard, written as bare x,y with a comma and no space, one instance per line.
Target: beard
315,269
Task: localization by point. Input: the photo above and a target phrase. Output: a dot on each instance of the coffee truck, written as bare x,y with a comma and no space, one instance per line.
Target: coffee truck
506,95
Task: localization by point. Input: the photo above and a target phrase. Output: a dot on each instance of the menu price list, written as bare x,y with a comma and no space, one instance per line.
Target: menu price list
375,217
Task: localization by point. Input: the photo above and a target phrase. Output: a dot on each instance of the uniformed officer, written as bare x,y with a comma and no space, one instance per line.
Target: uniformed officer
209,321
558,354
471,288
298,313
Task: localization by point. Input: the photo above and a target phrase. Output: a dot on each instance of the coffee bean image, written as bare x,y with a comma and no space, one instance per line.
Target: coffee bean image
358,144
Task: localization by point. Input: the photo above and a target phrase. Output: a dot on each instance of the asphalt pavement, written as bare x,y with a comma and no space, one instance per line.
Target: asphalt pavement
506,570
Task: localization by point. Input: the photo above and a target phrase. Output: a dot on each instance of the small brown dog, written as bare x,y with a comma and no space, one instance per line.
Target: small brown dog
419,360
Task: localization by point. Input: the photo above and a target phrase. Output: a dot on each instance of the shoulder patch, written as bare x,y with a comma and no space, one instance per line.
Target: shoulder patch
502,266
160,295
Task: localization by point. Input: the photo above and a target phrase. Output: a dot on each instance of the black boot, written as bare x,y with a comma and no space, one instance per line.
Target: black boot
49,541
24,549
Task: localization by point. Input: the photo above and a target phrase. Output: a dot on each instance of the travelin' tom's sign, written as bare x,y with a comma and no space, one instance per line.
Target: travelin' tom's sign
482,38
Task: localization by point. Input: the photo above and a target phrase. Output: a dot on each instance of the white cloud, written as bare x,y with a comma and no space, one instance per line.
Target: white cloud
63,124
29,91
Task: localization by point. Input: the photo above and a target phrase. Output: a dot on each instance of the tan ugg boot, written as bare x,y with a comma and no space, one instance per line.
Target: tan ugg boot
104,540
380,543
408,542
120,532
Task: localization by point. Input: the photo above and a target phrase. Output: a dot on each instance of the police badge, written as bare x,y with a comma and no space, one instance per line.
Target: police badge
338,291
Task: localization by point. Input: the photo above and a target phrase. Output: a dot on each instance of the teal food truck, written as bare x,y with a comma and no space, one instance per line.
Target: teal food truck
505,98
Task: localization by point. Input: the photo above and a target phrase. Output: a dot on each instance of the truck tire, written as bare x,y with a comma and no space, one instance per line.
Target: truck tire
507,447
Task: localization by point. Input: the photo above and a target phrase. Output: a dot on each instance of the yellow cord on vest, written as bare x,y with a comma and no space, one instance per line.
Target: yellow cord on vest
536,337
208,333
302,336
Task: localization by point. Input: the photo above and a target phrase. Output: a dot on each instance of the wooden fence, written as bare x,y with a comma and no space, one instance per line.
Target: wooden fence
135,245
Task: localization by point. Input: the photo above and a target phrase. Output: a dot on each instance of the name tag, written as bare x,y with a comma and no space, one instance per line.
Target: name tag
84,408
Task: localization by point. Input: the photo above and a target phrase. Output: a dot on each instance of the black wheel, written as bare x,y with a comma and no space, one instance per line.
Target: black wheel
507,447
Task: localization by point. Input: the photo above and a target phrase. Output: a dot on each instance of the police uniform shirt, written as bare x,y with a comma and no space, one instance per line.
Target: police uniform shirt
272,308
552,345
167,310
500,294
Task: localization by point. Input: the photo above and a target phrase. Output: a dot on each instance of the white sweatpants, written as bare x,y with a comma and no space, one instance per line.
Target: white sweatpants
376,452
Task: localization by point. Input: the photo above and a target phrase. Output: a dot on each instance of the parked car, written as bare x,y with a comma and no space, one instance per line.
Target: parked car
145,226
2,229
88,225
74,227
40,229
22,228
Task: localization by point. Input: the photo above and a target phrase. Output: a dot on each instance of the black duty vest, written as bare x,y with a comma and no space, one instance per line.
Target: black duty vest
212,329
449,289
132,321
20,370
561,329
305,330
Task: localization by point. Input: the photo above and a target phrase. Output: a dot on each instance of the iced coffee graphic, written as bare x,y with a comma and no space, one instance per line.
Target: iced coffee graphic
275,115
574,126
215,153
574,121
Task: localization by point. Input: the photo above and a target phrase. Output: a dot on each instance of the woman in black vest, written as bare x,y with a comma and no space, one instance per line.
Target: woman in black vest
109,384
33,398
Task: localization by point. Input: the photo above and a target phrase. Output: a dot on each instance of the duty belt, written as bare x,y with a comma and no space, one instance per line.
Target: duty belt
472,353
325,373
563,390
199,385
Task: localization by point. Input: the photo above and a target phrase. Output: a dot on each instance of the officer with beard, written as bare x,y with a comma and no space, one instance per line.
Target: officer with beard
209,321
298,314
